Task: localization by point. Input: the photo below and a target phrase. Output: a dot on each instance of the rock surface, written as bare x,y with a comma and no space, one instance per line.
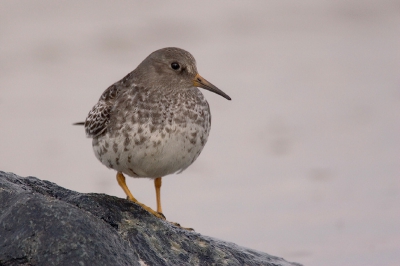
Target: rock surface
44,224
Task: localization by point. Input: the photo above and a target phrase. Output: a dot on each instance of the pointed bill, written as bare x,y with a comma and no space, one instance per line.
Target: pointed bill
201,82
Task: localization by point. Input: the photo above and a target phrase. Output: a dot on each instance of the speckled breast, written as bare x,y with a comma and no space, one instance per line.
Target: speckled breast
153,135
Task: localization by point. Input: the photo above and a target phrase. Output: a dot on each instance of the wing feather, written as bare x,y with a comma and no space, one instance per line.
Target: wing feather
99,117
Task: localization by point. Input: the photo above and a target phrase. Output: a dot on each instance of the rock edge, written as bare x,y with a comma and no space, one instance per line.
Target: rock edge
42,223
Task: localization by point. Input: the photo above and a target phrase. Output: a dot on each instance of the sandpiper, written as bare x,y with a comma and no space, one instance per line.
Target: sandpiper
153,122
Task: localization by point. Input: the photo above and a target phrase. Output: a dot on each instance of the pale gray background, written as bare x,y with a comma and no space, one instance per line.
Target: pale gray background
303,163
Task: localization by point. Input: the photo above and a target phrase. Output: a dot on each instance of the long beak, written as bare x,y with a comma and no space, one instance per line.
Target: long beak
201,82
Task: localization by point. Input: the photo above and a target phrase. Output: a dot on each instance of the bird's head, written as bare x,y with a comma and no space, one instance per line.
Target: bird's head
176,68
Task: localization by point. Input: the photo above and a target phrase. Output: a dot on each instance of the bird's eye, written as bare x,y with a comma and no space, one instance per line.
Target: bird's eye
175,66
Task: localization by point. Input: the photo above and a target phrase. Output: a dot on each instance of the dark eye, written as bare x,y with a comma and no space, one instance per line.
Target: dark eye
175,66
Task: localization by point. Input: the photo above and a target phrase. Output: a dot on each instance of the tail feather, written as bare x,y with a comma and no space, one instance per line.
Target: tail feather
79,124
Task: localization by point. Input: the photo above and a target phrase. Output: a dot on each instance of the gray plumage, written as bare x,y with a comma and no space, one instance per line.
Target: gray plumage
154,121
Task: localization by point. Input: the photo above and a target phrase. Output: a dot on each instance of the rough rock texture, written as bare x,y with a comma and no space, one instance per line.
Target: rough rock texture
44,224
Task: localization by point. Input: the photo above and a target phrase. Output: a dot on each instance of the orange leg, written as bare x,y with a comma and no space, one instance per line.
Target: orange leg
157,185
121,182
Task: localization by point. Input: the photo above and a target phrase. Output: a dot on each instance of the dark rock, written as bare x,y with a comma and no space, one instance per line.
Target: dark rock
44,224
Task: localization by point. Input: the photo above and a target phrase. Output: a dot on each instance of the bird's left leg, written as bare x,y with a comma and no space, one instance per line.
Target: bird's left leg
157,185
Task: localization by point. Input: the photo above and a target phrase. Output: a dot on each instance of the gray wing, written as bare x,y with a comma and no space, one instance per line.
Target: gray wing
99,117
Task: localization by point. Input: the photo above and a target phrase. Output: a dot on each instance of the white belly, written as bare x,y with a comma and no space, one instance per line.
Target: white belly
139,153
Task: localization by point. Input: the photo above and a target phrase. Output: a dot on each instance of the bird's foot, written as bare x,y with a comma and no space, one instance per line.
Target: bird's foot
150,210
159,215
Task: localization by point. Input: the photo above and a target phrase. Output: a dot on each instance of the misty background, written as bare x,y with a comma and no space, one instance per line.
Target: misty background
303,163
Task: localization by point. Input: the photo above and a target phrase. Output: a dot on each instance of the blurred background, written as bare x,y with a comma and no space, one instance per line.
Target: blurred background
303,163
